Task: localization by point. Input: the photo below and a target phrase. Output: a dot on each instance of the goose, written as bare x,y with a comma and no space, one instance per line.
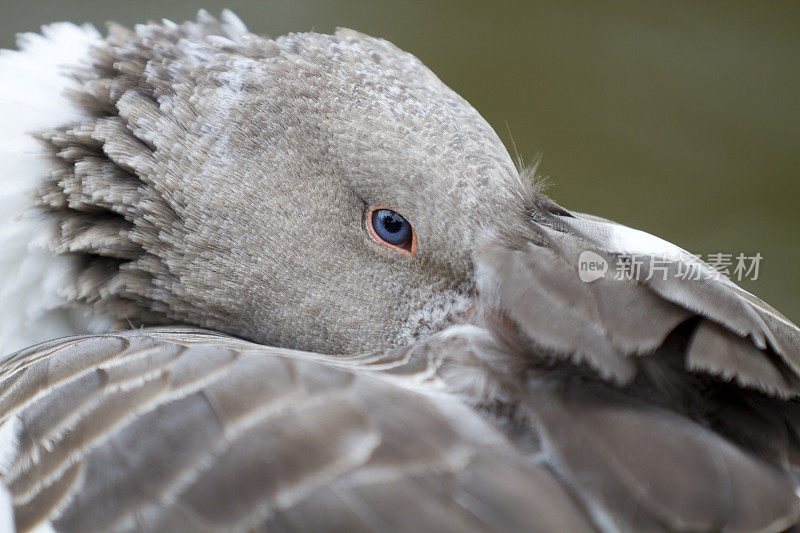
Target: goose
299,284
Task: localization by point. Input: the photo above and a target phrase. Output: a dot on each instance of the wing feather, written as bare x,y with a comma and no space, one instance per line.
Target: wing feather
649,468
648,288
714,350
184,429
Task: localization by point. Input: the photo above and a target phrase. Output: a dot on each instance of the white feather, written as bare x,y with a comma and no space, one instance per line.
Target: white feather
9,444
6,510
32,279
620,239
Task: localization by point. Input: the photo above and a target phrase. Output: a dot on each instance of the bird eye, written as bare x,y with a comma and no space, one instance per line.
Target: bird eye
392,230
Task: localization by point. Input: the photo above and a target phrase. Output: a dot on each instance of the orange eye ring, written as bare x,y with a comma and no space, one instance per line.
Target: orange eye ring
408,248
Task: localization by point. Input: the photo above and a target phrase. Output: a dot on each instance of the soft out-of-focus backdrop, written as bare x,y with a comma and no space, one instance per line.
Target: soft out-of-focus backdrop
681,118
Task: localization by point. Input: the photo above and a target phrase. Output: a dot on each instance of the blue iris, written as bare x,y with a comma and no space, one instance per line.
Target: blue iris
391,227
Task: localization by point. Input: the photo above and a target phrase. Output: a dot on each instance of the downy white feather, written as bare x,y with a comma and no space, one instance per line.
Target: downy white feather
33,306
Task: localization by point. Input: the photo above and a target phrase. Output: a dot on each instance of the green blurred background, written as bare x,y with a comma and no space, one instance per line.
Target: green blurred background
681,118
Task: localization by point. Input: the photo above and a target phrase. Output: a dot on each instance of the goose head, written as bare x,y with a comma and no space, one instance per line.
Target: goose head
257,186
329,193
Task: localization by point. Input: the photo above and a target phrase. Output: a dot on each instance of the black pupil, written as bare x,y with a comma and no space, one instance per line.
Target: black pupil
393,223
391,227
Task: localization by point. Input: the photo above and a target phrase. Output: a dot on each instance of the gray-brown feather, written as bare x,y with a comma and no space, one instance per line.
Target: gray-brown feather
607,322
158,429
164,430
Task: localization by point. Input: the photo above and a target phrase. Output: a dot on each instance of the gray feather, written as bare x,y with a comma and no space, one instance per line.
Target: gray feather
200,431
